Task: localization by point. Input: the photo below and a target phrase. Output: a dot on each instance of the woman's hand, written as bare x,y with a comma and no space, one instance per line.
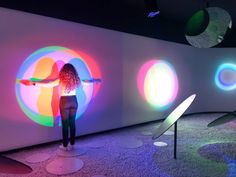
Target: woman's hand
27,82
97,80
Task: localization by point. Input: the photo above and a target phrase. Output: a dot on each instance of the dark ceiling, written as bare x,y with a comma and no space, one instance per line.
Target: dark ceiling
129,15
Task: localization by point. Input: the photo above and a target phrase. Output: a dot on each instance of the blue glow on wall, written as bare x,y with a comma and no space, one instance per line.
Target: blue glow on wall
225,77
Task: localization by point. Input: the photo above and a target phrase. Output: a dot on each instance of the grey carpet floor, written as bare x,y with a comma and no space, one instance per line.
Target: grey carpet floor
201,152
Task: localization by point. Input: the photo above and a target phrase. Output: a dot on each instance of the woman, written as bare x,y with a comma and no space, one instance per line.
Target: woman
68,81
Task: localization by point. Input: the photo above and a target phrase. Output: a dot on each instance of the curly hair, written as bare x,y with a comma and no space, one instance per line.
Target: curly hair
69,77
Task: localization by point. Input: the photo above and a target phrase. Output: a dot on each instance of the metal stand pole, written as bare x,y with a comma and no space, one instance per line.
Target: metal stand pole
175,140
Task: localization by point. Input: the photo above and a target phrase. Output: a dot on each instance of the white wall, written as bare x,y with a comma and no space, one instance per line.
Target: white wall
119,56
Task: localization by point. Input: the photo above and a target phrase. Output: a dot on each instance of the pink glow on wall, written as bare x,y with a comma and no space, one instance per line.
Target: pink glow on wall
142,74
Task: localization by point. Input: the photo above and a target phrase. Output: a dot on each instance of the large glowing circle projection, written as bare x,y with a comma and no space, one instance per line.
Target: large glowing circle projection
157,83
41,104
225,77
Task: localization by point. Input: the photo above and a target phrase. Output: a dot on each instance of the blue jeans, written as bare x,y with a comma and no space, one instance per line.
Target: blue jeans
68,108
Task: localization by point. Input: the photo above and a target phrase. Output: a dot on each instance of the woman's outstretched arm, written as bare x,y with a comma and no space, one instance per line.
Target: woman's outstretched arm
91,81
44,83
47,84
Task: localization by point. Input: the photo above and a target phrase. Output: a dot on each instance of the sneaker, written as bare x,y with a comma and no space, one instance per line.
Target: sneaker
71,147
63,147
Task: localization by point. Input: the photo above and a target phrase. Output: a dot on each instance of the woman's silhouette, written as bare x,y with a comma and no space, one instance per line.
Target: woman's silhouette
68,81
